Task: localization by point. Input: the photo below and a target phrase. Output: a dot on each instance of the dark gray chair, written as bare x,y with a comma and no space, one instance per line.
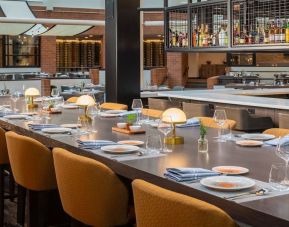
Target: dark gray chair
197,110
247,121
162,104
283,120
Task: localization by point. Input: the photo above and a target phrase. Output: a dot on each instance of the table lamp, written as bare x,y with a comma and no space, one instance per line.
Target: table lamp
30,93
174,116
85,101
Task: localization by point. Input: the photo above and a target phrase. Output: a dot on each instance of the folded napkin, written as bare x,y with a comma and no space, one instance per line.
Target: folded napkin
42,126
94,144
275,142
188,174
192,122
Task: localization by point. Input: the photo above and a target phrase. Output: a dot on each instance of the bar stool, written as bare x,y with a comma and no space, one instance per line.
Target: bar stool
113,106
210,123
278,132
90,192
32,166
158,207
152,113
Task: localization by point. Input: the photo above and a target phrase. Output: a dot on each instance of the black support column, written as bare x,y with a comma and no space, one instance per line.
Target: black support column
122,50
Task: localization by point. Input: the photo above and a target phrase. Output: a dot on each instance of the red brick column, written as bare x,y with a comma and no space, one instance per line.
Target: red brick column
177,65
158,76
48,54
45,87
94,76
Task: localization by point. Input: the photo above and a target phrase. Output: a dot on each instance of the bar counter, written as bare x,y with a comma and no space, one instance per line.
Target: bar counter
263,212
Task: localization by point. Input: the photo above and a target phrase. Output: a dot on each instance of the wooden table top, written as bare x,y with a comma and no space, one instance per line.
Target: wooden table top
265,212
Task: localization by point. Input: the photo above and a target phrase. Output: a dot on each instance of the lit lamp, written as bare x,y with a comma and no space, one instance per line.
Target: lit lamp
174,116
85,101
30,93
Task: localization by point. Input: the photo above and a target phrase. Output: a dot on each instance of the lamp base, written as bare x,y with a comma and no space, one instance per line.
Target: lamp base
32,106
174,140
85,118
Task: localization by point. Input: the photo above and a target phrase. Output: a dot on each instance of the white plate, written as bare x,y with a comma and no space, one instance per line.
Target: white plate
249,143
56,130
227,183
120,149
230,170
258,136
70,106
73,126
115,111
131,142
29,113
15,117
108,115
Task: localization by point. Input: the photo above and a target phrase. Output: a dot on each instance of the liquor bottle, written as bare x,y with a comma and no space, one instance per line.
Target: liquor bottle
214,40
272,33
251,36
261,34
257,35
177,39
283,32
237,34
243,36
222,36
206,36
201,36
267,35
195,38
277,32
287,32
174,40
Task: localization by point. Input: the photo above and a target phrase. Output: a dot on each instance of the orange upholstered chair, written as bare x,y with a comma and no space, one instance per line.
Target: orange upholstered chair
158,207
32,166
72,99
210,123
90,192
278,132
152,113
113,106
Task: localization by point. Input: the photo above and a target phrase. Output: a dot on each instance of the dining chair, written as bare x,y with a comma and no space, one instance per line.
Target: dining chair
90,192
210,123
152,113
283,120
278,132
72,99
32,166
113,106
159,207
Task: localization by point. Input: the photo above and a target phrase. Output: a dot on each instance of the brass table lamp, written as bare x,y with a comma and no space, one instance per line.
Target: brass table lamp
174,116
30,93
84,101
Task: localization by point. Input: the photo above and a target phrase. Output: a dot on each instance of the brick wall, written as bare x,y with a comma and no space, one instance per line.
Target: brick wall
48,54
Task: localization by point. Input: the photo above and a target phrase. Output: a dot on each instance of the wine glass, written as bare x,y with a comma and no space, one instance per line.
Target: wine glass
220,118
165,126
15,97
282,152
54,92
92,112
137,106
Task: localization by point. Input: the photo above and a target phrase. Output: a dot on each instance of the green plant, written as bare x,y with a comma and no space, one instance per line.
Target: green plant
51,104
203,131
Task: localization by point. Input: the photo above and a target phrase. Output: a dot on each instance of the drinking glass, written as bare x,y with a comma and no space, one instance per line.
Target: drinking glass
165,126
220,118
92,112
15,97
278,174
54,92
282,151
137,106
153,144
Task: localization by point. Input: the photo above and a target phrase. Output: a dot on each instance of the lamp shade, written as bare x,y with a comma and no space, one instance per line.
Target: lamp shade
32,92
174,115
85,100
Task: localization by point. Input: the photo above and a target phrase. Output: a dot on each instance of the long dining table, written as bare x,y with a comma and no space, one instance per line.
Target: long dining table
273,211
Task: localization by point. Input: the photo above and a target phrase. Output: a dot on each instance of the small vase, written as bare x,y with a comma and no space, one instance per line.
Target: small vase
203,145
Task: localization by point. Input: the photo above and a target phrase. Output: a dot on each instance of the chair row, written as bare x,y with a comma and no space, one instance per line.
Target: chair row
92,194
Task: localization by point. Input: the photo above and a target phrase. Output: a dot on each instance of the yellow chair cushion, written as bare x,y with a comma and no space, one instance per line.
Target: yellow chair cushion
210,123
31,162
113,106
72,99
158,207
152,113
90,191
278,132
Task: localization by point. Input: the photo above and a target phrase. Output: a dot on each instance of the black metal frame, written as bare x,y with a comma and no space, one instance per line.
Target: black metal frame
230,48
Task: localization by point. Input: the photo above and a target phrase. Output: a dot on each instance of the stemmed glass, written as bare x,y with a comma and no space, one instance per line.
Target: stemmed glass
137,106
15,97
55,92
92,112
165,126
220,118
282,151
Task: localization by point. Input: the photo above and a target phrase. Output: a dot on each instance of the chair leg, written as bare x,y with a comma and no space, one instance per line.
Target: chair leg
11,186
21,204
75,223
1,195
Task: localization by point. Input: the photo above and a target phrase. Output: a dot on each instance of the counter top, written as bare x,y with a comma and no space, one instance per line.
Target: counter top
235,97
